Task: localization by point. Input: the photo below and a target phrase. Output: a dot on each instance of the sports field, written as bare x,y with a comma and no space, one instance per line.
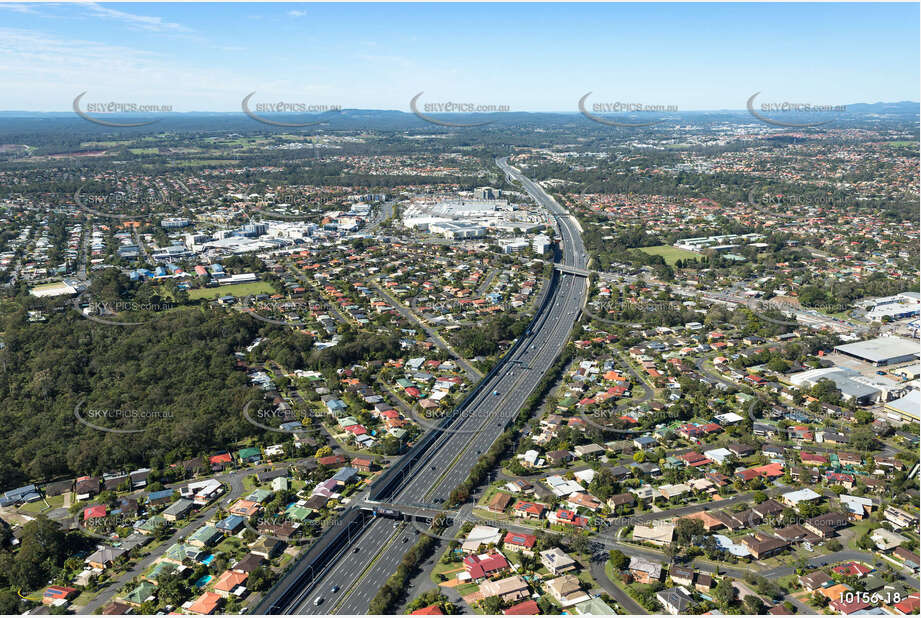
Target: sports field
671,254
238,289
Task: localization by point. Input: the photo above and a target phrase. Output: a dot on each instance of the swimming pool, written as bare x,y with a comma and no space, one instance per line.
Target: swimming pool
207,560
203,581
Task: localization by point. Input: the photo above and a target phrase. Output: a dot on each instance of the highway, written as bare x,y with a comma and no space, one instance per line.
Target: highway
361,569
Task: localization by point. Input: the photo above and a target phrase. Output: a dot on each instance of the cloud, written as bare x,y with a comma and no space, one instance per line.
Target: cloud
19,8
143,22
297,13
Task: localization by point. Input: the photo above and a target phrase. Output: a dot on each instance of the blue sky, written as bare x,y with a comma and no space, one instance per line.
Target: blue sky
530,57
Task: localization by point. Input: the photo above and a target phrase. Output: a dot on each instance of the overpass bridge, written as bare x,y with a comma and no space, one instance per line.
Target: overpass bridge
572,270
407,510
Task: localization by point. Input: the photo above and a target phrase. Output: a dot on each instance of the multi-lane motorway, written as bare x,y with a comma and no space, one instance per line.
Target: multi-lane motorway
361,569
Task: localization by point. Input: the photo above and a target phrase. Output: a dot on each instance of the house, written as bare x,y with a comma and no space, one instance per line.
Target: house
244,508
761,545
827,524
675,600
589,450
248,563
856,506
331,461
525,608
909,606
498,503
557,561
206,536
768,508
703,582
509,589
178,509
681,575
206,604
909,558
583,500
815,580
481,535
53,595
853,569
566,590
740,450
230,525
229,582
116,608
429,610
86,487
519,542
645,571
266,547
886,539
158,498
564,516
644,443
659,533
104,557
793,498
899,518
847,606
484,565
621,500
141,593
177,553
529,510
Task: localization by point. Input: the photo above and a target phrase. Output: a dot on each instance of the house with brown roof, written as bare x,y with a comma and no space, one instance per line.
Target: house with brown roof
762,545
498,503
815,580
566,590
509,589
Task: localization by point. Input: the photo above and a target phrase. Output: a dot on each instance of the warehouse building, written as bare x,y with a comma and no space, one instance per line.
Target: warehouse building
882,351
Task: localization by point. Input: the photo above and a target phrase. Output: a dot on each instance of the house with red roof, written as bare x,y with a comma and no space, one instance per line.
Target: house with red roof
94,512
520,542
909,606
221,460
529,510
813,458
525,608
430,610
565,516
58,593
845,607
856,569
484,565
206,604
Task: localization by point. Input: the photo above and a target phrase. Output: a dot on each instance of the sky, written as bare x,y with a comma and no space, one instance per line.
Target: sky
529,57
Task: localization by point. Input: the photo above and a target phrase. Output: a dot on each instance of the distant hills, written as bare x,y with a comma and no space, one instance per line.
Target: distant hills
900,107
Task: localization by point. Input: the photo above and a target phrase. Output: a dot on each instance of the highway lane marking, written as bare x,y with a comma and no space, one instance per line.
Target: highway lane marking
344,597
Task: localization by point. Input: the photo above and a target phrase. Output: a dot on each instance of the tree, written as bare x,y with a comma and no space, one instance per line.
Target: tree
619,560
752,604
639,457
686,529
323,451
724,593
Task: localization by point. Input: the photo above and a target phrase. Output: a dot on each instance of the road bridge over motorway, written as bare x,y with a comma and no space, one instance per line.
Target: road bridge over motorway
572,270
403,510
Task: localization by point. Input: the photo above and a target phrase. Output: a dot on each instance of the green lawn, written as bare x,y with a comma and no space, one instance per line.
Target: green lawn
671,254
238,289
